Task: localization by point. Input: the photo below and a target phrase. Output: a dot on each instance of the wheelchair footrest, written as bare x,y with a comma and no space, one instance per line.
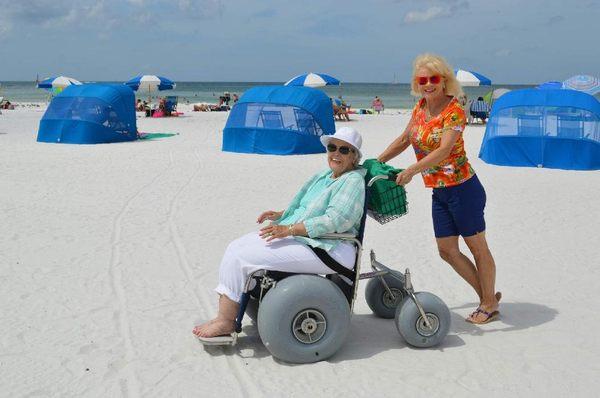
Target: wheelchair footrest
226,340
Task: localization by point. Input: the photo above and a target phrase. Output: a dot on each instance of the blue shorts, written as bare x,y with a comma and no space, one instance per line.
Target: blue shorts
458,210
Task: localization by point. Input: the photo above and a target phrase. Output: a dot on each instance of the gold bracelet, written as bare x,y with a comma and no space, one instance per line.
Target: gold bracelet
291,229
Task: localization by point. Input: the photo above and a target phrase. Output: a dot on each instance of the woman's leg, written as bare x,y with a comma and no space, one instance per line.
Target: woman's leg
250,253
486,273
450,253
224,323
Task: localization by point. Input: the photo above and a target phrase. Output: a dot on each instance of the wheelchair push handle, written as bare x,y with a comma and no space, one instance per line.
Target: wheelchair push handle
390,177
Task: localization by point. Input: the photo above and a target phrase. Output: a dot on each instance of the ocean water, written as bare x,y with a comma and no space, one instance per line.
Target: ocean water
357,95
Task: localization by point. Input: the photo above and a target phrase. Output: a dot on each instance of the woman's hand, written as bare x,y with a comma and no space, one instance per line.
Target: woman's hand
269,215
405,176
271,232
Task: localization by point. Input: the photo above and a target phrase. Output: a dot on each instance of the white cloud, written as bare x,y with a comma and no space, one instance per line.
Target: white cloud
427,15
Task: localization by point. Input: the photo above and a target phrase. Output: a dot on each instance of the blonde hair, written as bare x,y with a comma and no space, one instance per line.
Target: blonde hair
436,64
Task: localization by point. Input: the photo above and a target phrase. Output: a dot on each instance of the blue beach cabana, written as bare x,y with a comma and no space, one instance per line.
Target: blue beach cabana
90,114
557,129
279,120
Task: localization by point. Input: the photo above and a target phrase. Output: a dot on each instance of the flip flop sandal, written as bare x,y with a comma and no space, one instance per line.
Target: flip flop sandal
472,314
227,339
489,316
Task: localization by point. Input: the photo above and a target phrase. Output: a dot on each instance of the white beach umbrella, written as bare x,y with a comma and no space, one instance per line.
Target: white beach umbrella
585,83
469,78
58,83
313,80
150,83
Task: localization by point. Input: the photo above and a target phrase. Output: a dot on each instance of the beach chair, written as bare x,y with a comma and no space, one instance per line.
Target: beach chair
305,122
304,318
171,105
479,110
271,119
530,125
569,126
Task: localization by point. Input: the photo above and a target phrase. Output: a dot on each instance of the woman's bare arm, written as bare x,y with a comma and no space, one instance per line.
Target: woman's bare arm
432,159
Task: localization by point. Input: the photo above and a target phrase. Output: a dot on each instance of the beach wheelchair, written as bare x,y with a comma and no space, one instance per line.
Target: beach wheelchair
304,318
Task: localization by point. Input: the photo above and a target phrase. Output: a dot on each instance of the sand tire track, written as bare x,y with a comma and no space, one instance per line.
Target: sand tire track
246,385
130,386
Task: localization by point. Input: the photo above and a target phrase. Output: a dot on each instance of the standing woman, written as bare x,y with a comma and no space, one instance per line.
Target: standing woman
435,132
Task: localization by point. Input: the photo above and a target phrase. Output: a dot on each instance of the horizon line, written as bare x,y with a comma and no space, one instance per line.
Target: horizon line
263,82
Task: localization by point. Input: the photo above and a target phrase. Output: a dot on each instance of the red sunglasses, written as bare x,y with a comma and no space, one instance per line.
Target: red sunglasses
422,80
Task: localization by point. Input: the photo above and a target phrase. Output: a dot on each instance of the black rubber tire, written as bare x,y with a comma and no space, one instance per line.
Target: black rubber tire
287,302
378,298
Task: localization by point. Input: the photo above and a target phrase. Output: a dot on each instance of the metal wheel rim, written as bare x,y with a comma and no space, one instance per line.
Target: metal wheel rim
422,328
388,301
309,326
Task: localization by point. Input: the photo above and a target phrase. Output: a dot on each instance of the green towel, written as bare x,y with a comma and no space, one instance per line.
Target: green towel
385,197
154,136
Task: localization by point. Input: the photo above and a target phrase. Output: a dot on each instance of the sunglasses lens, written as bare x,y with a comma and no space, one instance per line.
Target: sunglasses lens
422,80
344,150
331,147
435,79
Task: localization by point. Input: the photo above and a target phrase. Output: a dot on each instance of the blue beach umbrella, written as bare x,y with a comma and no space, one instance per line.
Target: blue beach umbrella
584,83
471,79
551,85
150,83
313,80
57,84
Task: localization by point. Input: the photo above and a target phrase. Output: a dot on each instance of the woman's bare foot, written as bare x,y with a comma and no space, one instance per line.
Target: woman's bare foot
198,328
215,327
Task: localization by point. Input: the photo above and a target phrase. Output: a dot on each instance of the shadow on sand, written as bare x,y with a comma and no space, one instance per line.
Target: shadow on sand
370,335
513,317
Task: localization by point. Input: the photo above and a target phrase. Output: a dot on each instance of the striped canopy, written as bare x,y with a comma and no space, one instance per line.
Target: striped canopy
313,80
150,83
471,79
58,82
584,83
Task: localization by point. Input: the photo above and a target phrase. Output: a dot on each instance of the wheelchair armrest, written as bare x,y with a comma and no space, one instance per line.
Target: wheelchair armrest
338,236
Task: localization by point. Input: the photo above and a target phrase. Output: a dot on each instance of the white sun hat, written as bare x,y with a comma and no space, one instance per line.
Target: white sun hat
346,134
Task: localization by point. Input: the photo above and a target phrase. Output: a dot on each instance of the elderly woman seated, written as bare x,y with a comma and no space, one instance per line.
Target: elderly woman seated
331,201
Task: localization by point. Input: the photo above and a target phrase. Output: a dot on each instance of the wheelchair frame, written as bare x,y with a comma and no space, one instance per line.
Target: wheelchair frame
378,271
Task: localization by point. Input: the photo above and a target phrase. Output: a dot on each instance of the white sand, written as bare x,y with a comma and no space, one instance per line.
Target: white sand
109,254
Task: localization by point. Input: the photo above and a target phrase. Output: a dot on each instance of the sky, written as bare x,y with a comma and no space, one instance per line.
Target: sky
510,41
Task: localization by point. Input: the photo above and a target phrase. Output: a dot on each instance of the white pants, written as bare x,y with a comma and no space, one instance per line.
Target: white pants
250,253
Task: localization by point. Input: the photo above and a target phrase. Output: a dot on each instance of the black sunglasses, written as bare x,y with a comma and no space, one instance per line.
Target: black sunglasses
344,150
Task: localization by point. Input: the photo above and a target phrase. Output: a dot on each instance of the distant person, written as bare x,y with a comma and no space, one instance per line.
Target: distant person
140,106
6,104
479,110
236,98
435,132
344,108
339,112
462,100
377,105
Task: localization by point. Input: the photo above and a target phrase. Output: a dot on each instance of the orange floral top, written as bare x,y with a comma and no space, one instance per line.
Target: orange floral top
426,136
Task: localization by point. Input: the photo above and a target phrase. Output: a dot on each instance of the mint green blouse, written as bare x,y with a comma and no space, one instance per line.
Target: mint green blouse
328,205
